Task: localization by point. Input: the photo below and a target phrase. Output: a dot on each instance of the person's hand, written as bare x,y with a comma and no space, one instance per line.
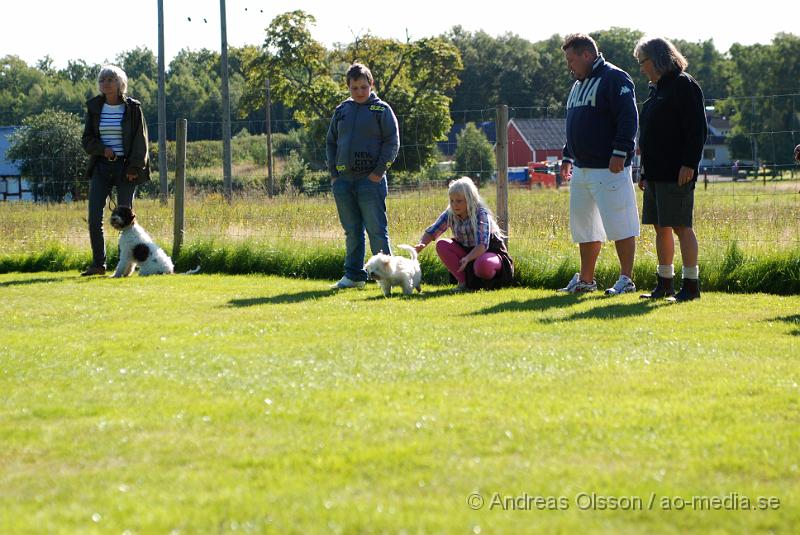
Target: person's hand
462,264
132,175
108,153
685,175
616,164
375,178
566,171
642,184
419,247
333,180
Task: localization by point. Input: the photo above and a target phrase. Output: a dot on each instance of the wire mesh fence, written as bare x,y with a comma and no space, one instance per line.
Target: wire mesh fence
752,199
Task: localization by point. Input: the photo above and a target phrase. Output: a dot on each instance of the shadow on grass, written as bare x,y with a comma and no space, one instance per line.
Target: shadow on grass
24,282
794,319
610,311
280,299
532,305
443,292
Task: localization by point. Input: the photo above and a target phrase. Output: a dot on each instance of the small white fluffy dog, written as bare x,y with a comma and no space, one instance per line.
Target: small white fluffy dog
136,247
395,270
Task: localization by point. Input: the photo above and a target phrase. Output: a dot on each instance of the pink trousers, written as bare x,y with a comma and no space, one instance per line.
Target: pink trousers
486,266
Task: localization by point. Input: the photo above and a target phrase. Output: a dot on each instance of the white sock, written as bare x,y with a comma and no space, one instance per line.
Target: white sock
691,272
666,271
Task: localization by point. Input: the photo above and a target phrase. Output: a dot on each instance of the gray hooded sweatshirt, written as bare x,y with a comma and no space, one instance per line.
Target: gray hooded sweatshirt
362,138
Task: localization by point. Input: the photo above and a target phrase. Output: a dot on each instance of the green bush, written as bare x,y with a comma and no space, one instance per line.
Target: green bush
50,155
296,177
474,155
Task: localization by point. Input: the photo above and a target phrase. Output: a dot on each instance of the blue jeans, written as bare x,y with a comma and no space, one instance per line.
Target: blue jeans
361,204
105,176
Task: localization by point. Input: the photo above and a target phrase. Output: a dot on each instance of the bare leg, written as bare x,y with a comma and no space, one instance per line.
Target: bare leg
665,245
626,250
589,253
688,244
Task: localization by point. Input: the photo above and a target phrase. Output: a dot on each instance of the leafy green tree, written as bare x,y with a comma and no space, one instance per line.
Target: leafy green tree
616,45
552,79
18,82
763,101
497,70
49,153
475,156
141,61
79,71
413,77
45,65
708,66
194,90
298,69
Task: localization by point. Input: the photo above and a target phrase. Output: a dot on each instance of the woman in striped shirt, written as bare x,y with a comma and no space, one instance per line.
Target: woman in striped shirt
115,136
476,257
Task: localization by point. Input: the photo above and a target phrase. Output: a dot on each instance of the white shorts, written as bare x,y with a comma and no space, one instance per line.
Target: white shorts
602,205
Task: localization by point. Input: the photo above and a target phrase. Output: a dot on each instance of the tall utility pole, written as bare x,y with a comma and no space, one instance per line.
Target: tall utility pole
226,107
162,109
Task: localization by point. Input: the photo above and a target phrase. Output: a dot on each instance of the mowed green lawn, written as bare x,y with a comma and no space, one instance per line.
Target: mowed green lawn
253,404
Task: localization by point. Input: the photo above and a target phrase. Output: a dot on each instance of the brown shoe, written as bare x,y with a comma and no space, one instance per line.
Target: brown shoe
94,270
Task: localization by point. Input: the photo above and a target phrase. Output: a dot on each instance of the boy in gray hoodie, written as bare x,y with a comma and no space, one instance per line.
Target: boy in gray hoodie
363,141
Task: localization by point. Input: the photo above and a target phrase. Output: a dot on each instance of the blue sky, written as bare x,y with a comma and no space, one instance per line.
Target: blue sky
33,28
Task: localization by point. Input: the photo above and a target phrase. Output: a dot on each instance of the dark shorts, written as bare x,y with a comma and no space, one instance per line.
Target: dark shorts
667,204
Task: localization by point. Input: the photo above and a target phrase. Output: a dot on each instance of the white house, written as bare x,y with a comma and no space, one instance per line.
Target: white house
716,153
12,186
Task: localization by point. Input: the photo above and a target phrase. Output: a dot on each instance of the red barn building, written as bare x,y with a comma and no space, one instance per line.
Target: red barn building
534,140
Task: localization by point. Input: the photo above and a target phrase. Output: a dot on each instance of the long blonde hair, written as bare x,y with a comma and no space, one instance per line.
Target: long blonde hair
466,187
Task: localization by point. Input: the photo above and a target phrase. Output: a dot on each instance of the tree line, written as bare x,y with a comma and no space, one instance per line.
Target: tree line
429,82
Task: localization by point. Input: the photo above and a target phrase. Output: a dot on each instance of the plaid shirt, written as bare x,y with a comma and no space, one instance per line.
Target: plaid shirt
463,232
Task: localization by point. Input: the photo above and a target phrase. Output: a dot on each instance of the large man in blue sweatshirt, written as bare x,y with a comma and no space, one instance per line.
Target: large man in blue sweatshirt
363,141
601,135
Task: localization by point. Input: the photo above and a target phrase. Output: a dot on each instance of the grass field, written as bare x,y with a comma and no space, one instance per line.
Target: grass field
228,404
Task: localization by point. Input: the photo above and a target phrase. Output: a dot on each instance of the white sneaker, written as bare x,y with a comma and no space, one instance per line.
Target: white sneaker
576,285
347,283
623,285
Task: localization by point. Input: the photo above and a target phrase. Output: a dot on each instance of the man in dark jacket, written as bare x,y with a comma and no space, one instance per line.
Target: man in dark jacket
673,133
363,141
601,135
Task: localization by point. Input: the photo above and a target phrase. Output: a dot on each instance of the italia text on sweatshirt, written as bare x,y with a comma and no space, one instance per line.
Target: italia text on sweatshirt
601,117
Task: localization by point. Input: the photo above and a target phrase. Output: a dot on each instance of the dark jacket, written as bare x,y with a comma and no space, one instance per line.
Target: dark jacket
674,127
601,117
134,137
362,138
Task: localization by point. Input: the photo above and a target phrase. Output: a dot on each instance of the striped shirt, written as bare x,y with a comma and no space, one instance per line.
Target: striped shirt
463,232
111,127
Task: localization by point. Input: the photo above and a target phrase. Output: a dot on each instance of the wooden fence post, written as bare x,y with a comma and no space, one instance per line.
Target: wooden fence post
502,168
180,186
